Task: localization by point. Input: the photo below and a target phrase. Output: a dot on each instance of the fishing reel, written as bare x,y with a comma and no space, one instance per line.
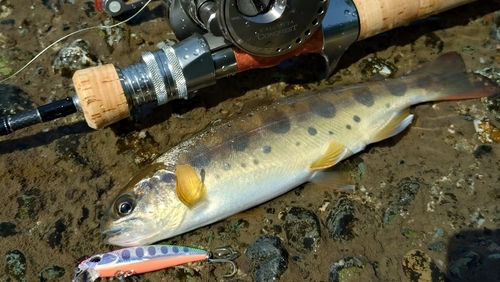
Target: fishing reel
264,28
219,38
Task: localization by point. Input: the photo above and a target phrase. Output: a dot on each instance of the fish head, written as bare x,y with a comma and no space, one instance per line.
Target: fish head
146,210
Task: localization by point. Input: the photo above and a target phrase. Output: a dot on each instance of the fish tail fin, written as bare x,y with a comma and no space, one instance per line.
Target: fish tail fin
445,78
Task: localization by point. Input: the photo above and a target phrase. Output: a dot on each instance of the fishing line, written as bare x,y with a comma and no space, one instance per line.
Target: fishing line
71,34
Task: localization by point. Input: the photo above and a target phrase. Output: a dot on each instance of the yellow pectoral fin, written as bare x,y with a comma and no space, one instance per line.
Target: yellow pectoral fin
189,187
334,154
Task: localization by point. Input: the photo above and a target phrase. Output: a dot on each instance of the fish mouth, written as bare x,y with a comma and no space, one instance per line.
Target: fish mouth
113,232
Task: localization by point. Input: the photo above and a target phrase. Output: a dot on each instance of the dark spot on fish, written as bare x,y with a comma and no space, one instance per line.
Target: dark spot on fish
255,162
364,96
151,250
167,177
266,149
348,126
330,132
356,118
323,108
297,144
277,122
175,249
396,88
312,131
164,250
185,250
201,160
139,252
226,166
243,165
240,143
126,254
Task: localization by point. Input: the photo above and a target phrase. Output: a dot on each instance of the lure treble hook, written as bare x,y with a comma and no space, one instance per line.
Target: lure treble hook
224,255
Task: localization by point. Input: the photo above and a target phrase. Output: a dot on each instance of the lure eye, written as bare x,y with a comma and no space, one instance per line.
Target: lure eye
95,259
124,205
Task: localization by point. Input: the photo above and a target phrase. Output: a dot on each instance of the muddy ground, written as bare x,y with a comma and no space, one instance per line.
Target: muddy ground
56,179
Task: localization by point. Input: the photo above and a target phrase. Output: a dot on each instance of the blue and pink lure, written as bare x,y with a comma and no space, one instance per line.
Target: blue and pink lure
135,260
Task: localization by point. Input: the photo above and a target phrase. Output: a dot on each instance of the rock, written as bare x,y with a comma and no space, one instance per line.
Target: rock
339,267
402,201
419,267
269,258
302,229
28,204
410,234
340,220
16,265
51,273
465,265
438,246
74,57
113,35
7,229
495,28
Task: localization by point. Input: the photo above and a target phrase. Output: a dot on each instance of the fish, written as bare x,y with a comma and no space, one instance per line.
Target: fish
126,262
266,152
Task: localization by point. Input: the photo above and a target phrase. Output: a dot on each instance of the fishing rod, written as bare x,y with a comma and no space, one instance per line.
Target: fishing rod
219,38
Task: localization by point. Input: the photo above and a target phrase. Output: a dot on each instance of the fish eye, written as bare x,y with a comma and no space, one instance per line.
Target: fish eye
124,205
95,259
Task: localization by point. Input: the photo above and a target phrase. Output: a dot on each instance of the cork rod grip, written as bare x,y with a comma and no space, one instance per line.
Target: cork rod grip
377,16
101,95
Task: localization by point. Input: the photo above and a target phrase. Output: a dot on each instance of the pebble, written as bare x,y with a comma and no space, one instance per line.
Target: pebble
74,57
438,246
302,229
16,265
474,255
495,28
466,265
439,233
7,229
340,220
420,267
402,201
374,65
28,204
410,234
337,268
482,150
113,35
269,258
51,273
8,21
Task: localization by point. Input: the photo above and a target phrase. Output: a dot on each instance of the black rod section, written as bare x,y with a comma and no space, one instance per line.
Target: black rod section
41,114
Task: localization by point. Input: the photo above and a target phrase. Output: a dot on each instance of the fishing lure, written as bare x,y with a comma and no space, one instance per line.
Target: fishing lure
136,260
